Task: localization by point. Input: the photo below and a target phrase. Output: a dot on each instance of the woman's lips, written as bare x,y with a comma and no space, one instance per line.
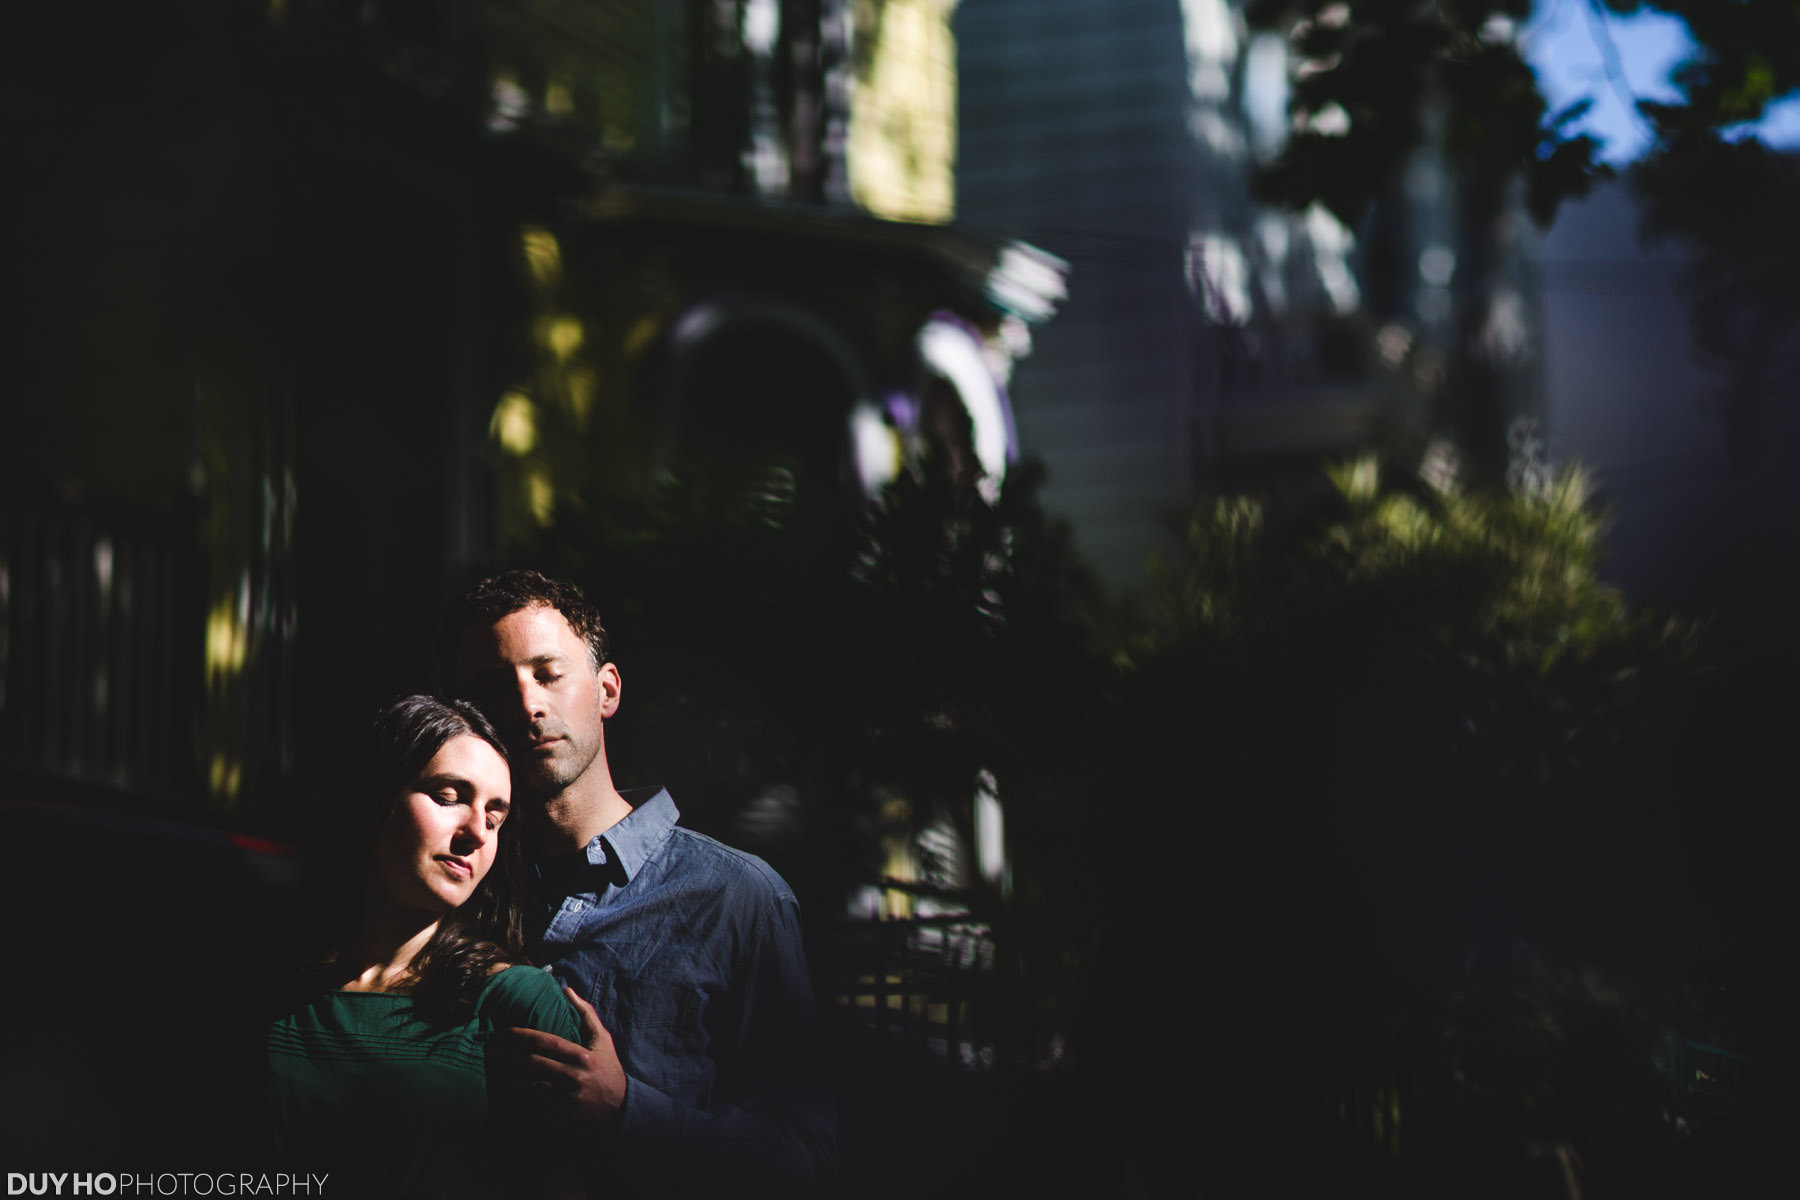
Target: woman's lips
458,866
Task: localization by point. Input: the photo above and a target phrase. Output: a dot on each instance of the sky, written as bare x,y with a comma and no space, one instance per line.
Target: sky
1565,49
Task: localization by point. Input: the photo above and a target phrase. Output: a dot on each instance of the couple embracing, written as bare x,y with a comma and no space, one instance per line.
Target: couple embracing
534,983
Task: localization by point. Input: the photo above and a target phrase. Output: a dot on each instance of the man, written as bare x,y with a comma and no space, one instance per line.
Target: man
682,954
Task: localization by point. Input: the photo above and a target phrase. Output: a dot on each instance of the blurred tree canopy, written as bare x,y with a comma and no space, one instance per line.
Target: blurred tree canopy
1385,61
1389,65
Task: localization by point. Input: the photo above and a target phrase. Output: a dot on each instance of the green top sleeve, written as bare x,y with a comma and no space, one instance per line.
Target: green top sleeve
529,997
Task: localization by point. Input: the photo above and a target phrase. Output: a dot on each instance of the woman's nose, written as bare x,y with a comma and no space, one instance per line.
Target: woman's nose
473,826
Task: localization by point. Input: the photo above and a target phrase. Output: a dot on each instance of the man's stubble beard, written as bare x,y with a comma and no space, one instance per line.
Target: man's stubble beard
545,778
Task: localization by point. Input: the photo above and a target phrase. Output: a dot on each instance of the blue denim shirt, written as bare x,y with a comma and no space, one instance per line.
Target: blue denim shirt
690,952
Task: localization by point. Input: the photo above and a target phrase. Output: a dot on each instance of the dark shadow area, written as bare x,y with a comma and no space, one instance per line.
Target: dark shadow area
145,955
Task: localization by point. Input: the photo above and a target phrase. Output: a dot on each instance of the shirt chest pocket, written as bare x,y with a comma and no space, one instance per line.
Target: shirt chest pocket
665,1041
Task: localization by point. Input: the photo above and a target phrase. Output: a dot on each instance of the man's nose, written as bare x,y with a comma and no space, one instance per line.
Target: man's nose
528,699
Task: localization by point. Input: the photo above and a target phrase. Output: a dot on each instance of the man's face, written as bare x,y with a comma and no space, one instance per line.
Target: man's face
533,678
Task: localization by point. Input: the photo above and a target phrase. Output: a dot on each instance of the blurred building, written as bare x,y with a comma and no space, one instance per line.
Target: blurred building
1209,344
1627,399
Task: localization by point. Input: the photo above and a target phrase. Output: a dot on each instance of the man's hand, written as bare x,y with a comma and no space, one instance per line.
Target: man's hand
586,1083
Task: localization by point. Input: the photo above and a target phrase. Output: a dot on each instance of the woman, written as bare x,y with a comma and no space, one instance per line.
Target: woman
379,1071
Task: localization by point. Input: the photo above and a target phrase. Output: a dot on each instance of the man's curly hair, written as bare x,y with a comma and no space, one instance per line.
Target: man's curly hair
513,591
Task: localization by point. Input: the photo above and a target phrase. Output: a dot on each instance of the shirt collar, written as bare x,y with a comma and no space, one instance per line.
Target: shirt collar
635,840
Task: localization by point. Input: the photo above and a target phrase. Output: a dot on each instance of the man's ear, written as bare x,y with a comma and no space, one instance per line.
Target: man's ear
610,686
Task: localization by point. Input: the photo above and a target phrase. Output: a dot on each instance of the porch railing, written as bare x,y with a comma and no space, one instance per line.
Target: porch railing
928,982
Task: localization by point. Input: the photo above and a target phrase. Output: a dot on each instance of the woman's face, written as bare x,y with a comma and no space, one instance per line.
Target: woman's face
439,842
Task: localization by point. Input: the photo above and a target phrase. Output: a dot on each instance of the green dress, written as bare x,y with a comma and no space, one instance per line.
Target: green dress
360,1086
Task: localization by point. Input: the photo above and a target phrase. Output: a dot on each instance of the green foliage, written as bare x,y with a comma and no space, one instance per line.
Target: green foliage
1504,586
1213,588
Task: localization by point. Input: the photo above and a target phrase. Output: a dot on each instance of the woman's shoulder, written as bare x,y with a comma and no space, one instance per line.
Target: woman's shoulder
509,978
524,995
